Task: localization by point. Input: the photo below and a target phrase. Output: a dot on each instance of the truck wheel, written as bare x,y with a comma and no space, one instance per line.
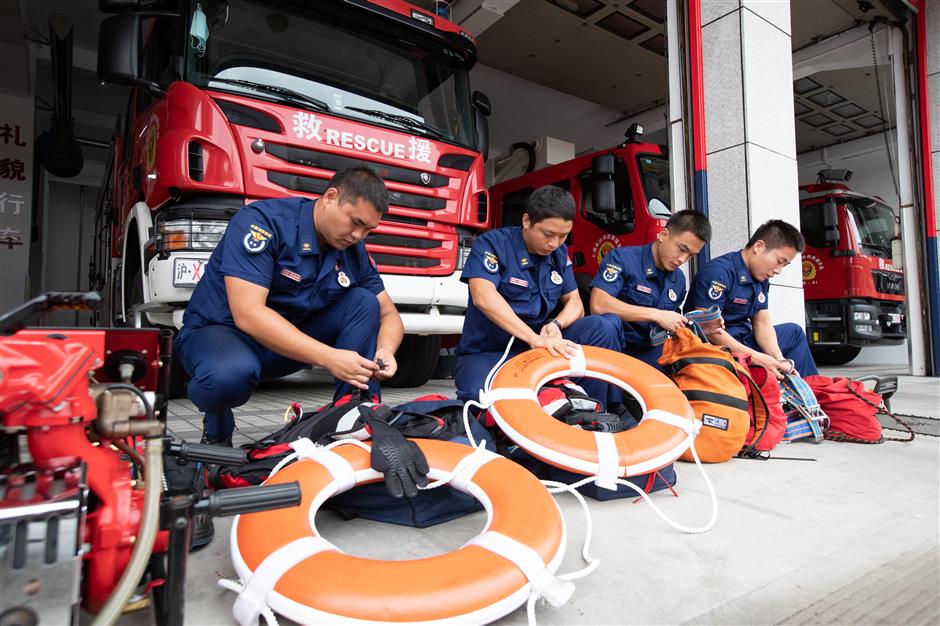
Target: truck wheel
835,356
417,359
179,379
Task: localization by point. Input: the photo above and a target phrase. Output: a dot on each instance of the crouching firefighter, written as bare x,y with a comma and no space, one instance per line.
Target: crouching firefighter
517,276
289,285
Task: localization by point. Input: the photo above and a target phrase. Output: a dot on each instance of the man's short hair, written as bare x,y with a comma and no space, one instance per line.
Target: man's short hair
778,234
690,221
550,201
361,182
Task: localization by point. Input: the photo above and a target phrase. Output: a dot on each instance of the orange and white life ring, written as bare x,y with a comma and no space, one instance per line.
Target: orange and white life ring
661,437
284,564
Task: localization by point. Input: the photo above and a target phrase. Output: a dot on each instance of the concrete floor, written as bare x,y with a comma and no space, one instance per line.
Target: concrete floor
849,535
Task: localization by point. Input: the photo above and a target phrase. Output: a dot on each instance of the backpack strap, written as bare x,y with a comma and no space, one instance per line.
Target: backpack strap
761,413
658,336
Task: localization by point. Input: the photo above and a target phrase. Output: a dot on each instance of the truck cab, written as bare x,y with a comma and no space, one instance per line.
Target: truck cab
239,100
622,196
853,292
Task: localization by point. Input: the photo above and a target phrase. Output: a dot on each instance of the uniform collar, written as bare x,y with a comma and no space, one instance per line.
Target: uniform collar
308,235
649,264
743,275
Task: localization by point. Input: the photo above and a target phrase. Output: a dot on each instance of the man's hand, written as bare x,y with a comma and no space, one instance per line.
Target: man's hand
556,346
348,366
388,361
551,331
712,327
670,321
400,460
777,367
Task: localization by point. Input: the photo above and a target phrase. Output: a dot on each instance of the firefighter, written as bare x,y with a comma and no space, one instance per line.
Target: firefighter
518,276
644,287
739,283
291,284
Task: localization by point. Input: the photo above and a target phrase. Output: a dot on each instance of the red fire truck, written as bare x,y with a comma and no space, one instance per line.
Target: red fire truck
622,195
238,100
854,294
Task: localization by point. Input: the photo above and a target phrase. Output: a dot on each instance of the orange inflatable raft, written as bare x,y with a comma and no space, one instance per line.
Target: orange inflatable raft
284,563
661,437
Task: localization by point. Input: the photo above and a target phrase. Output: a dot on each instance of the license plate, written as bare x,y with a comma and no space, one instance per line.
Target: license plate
187,272
895,318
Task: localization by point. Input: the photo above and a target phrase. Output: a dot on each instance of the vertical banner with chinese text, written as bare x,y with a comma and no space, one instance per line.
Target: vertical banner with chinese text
16,186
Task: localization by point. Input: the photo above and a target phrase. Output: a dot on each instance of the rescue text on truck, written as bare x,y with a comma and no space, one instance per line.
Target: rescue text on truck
239,100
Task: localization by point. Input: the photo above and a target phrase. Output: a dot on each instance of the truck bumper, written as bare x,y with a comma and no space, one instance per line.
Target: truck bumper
428,305
835,323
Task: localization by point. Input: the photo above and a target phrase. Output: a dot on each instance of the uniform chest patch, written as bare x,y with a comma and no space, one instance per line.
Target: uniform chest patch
761,298
611,272
294,276
490,262
672,295
716,290
518,281
556,278
256,239
740,300
644,289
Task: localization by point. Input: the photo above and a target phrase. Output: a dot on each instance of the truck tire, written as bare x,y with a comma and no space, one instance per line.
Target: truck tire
835,356
417,359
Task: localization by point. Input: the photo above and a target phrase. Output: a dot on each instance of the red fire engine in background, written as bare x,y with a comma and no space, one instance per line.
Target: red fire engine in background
239,100
621,194
854,293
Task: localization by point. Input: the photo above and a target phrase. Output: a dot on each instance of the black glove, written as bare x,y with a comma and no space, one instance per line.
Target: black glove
401,461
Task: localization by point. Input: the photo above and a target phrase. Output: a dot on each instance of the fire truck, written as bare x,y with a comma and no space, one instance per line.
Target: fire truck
854,293
234,101
622,198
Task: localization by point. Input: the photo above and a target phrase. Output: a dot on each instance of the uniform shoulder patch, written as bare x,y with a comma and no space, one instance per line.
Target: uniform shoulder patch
716,289
611,272
490,262
256,239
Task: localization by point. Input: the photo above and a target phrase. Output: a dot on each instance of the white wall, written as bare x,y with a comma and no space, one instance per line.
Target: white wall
867,159
524,111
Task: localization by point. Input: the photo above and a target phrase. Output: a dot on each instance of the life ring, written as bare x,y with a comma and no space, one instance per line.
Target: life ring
284,564
661,437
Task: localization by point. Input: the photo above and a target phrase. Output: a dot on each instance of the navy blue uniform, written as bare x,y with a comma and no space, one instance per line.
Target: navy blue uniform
533,286
328,294
630,275
727,282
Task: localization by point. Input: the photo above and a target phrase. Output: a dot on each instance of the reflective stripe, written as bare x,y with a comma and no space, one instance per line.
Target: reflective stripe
468,466
608,461
254,597
682,423
339,468
543,581
578,363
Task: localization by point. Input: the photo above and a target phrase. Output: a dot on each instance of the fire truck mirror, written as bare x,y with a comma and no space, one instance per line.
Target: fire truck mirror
831,220
481,109
603,192
119,50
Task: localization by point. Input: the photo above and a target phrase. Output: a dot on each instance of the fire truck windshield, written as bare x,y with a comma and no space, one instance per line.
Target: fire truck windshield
874,226
372,72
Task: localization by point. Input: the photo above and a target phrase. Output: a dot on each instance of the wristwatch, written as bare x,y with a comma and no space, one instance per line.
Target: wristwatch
555,322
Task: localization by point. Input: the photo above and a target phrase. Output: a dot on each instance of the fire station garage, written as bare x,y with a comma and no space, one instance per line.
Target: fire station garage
133,131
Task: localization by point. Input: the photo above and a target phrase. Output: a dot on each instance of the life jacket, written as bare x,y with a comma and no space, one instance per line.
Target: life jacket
710,379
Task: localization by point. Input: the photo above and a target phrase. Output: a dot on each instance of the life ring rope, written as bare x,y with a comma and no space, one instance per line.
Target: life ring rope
607,464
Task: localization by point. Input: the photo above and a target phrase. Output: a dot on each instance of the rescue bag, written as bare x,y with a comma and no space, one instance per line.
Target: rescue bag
428,417
769,392
852,409
708,376
568,402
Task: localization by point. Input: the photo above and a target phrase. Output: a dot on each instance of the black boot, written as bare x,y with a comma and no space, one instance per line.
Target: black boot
227,442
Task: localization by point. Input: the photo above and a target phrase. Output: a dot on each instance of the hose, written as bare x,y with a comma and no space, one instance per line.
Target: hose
147,533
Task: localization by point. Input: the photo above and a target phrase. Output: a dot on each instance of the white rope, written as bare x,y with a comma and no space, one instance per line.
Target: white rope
232,585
